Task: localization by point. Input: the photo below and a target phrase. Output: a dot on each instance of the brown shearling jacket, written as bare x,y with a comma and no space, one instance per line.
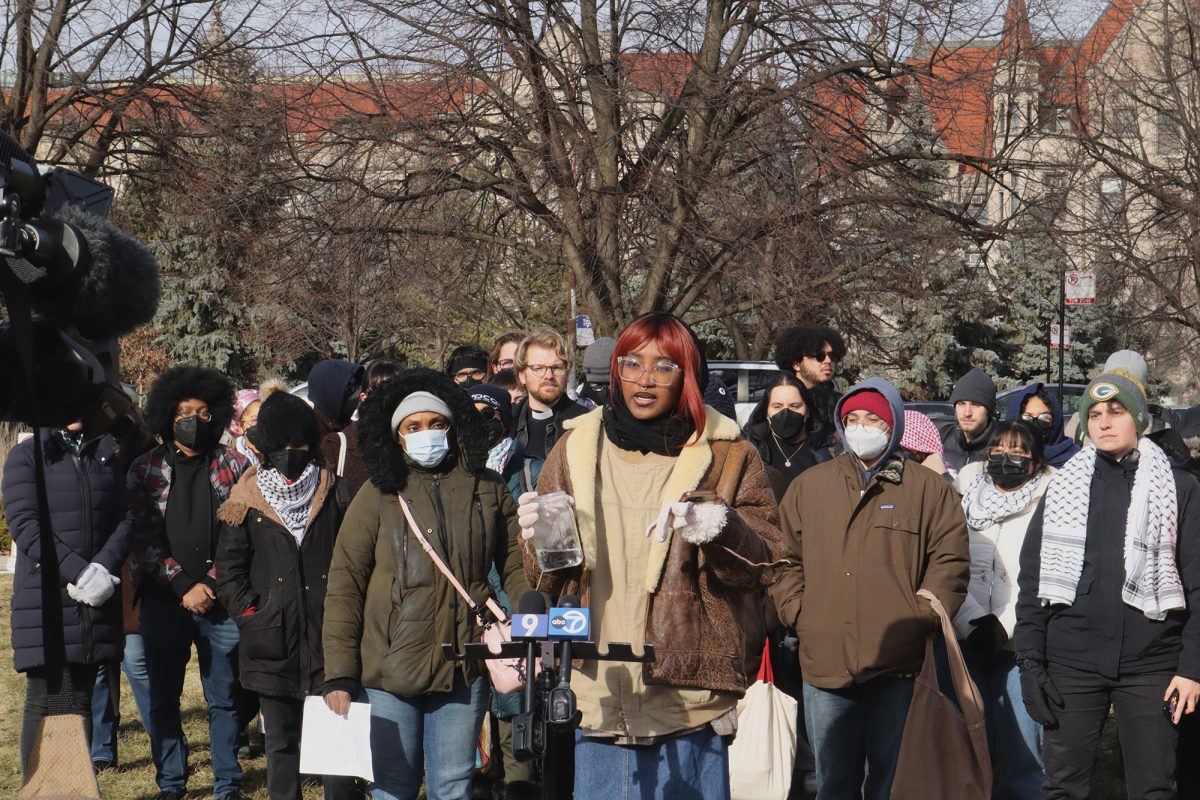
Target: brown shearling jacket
699,595
857,557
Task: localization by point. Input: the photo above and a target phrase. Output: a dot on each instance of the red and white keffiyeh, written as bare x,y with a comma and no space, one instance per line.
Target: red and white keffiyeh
920,434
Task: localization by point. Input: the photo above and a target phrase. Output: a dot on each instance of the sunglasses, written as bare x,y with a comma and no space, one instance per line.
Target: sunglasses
489,413
820,357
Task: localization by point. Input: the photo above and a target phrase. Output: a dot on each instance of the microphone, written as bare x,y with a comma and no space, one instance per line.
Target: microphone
528,735
531,621
567,621
100,280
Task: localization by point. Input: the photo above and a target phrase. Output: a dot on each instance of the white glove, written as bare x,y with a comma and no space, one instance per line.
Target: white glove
93,586
698,523
529,508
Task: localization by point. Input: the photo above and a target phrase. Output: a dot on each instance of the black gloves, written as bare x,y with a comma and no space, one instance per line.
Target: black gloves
1040,695
988,636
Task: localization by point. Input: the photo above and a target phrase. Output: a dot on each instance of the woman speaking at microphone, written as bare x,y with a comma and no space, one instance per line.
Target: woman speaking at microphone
389,608
676,520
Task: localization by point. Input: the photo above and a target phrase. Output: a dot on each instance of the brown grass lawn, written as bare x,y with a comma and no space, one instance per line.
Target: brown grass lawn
134,779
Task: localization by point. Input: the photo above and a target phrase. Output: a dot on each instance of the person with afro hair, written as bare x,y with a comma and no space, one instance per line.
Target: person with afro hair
277,535
175,490
813,355
389,608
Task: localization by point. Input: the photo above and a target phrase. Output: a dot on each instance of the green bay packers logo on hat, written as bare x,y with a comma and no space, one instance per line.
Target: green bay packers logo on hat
1103,392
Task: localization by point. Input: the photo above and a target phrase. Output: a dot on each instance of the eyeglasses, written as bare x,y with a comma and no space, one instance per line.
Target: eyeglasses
820,357
469,372
662,373
1040,419
997,453
504,363
201,415
540,369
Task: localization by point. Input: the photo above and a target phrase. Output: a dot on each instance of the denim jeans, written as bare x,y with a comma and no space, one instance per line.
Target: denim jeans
106,699
693,766
863,723
169,631
1014,739
434,734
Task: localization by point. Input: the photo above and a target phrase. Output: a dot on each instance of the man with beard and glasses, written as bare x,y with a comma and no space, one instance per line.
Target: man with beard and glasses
176,489
541,366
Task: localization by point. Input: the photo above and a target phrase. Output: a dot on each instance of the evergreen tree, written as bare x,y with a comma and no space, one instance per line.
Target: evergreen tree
206,202
1028,275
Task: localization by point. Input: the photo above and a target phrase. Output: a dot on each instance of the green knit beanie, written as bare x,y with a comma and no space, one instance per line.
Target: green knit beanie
1112,386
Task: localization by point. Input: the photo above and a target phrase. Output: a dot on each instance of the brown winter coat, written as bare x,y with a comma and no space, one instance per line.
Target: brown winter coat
698,594
858,558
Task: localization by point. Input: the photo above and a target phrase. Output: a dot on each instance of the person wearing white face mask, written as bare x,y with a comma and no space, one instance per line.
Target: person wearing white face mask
389,608
866,531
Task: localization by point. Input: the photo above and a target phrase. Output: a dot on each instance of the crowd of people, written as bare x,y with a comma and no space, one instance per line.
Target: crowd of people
307,549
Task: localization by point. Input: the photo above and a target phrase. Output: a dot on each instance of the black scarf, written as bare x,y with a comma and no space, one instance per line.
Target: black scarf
664,437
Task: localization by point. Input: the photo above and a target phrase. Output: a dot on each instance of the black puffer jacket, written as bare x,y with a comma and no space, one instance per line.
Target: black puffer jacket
89,512
275,590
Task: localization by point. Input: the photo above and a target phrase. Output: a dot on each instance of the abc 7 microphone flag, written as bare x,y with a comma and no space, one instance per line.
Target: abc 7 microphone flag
560,623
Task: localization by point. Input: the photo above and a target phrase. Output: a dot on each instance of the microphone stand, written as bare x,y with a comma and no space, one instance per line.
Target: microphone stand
551,718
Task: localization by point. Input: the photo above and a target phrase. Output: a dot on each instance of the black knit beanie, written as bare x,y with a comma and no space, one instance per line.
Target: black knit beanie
285,419
978,387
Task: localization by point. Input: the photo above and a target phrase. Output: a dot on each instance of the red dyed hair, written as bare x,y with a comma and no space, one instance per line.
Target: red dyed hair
678,344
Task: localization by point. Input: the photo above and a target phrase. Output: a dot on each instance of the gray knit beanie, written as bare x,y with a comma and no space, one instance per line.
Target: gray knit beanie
597,359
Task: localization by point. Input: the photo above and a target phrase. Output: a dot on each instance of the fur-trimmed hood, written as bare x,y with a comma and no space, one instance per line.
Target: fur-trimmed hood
377,441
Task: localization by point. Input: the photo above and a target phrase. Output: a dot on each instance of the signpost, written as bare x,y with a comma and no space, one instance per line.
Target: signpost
1080,288
1060,337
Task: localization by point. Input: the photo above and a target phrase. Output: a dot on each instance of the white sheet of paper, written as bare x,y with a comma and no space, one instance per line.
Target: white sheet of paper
334,745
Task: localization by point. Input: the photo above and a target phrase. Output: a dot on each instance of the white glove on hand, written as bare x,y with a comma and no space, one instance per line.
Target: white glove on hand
698,523
93,586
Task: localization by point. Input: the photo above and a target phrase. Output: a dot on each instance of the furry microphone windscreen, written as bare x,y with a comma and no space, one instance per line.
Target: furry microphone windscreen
112,285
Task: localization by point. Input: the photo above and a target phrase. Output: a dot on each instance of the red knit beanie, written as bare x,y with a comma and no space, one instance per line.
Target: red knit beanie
871,401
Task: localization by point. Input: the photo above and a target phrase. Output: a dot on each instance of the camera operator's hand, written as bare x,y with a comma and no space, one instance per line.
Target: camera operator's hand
93,586
199,599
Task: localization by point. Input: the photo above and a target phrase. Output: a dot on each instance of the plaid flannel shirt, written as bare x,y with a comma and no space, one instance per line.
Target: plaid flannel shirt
149,486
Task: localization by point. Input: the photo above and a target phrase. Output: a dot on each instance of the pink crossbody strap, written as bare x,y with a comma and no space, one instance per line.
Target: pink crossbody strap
492,605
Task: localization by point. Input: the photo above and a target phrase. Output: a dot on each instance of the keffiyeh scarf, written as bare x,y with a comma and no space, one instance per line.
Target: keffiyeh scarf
291,501
1152,584
985,505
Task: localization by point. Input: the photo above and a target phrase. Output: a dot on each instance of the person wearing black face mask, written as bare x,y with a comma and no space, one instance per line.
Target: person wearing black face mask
999,498
175,490
1038,408
785,433
277,536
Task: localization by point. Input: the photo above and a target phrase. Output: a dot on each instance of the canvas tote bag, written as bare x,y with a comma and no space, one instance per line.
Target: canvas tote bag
762,755
944,754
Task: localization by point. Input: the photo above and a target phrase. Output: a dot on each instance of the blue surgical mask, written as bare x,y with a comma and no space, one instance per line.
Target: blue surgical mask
427,448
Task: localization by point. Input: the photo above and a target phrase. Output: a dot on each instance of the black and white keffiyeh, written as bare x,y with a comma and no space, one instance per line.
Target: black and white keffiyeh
985,505
290,500
1152,584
